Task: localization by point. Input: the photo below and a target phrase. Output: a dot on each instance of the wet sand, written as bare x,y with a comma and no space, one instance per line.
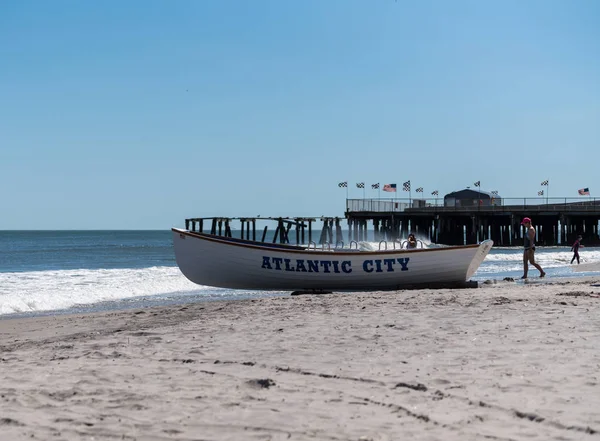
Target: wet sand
506,361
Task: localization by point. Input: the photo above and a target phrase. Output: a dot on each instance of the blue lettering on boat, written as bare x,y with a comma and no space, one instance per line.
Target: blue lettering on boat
313,266
404,263
335,266
326,264
287,265
267,262
347,266
277,261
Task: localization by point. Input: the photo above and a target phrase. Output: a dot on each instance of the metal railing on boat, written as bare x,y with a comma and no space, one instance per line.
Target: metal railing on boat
353,246
403,244
339,246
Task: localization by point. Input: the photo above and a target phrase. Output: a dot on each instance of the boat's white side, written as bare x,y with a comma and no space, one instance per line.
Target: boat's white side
220,262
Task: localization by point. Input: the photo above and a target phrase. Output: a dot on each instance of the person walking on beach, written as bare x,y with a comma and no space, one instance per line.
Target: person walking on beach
575,249
529,248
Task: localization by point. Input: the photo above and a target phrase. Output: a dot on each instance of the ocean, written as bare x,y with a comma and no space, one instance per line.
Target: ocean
55,272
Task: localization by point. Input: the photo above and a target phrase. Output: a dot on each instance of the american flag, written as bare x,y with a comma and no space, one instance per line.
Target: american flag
477,184
541,193
435,193
419,190
406,186
360,185
389,187
544,182
343,184
584,191
375,186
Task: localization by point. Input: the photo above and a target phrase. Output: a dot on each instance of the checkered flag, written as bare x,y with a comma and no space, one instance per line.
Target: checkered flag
545,183
495,193
419,190
374,186
406,186
477,184
435,193
360,185
541,193
343,184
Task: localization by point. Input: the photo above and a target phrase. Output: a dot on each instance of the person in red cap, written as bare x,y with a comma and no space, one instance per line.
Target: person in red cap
529,251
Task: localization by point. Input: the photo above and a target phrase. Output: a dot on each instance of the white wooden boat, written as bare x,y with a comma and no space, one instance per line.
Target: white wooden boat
225,262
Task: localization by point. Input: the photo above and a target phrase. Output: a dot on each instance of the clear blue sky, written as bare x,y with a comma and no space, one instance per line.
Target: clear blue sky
138,114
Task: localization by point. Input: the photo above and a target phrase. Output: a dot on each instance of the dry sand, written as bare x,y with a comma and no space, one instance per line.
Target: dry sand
502,362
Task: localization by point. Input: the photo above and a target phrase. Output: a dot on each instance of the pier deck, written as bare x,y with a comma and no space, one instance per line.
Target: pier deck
558,221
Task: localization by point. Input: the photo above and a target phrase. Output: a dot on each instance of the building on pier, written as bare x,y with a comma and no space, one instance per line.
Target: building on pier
471,198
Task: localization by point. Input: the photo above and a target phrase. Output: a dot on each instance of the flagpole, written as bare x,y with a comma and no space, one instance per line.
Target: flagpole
345,184
546,183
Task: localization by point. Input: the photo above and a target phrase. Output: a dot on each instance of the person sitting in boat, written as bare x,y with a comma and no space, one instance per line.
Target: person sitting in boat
411,241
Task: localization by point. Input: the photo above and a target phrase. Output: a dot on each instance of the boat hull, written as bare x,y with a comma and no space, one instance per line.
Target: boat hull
238,264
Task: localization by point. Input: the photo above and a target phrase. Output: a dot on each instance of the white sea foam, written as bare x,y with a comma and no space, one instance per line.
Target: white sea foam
52,290
555,261
37,291
553,256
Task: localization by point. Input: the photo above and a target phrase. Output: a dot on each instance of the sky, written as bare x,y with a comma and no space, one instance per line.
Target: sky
139,114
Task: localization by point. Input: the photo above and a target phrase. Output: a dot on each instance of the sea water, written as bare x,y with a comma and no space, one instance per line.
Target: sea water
44,272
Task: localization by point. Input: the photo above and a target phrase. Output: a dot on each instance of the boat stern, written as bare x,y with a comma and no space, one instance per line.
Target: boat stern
482,251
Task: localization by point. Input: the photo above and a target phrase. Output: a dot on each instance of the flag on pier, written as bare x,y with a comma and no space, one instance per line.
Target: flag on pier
435,193
343,184
360,185
541,193
375,186
544,182
419,190
389,187
406,186
477,184
584,191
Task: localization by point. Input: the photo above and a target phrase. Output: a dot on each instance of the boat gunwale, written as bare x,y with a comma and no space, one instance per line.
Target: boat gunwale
244,243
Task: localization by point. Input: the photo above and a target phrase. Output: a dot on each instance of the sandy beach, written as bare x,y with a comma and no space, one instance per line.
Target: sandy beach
505,361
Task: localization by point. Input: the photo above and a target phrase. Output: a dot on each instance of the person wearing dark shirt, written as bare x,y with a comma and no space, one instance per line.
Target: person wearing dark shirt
575,249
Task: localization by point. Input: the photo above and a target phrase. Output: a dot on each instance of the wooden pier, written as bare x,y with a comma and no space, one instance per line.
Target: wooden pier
297,230
555,223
